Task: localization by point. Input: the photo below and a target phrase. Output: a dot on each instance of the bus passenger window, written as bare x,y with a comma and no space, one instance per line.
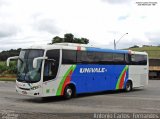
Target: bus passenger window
69,57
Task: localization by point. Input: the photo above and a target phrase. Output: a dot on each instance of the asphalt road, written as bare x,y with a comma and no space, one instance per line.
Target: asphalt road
13,105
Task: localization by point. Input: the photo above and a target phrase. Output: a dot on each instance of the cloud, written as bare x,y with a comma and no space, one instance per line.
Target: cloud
154,37
117,1
15,42
45,25
24,23
135,41
3,2
123,17
7,30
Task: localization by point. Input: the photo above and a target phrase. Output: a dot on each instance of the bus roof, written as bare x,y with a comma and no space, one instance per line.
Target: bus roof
83,47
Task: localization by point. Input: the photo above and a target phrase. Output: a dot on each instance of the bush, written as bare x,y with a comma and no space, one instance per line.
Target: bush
8,70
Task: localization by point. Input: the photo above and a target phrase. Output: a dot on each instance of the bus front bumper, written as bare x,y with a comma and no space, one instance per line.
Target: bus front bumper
35,93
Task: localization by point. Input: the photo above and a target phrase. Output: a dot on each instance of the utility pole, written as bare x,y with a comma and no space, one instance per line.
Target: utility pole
115,42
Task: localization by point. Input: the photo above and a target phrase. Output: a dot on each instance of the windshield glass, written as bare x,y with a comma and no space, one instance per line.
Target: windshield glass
26,72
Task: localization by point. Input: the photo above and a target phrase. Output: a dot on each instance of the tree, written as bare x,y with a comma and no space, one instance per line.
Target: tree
5,54
68,37
78,40
86,41
135,46
57,39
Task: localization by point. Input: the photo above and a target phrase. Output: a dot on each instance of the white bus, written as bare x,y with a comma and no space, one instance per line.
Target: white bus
66,69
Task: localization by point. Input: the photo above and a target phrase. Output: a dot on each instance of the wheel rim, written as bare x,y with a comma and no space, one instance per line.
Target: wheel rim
128,87
69,92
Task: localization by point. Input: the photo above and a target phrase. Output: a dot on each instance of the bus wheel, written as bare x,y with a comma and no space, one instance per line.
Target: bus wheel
68,92
128,87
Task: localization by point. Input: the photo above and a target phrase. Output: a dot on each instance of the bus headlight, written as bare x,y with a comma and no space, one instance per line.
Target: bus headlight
35,87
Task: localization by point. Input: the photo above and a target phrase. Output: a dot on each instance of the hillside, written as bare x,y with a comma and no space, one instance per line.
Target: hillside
5,54
153,51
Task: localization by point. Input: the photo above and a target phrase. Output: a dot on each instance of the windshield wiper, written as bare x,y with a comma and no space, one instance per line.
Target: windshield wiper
20,59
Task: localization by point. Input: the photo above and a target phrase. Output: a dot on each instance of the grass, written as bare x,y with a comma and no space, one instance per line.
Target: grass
153,51
7,79
2,63
5,62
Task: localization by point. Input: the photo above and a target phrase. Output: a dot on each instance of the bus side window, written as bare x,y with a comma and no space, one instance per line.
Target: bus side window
82,57
127,58
137,59
133,58
107,58
49,68
119,58
69,57
91,57
87,57
51,65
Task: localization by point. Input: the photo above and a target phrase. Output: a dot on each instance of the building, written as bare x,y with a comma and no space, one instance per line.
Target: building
154,68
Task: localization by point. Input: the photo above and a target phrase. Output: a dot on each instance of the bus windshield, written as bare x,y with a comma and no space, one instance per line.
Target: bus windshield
26,72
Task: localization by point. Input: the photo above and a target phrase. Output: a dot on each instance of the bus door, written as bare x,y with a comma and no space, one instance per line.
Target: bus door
50,70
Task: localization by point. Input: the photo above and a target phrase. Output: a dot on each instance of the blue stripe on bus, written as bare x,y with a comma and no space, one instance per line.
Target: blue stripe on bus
106,50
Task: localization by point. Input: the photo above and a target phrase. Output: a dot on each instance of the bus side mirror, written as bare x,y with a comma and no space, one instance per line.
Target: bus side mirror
36,59
11,58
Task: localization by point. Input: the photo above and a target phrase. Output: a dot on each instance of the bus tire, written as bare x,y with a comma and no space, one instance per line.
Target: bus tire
128,87
68,92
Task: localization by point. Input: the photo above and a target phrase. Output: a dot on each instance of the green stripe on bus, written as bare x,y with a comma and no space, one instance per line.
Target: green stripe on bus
63,79
125,69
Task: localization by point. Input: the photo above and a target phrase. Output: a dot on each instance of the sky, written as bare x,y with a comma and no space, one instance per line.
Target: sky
24,23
